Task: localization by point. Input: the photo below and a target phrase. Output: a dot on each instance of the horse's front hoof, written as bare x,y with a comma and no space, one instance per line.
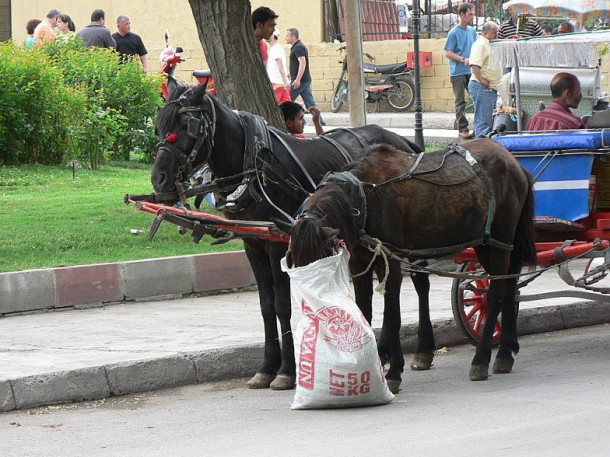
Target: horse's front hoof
479,372
422,361
502,366
283,382
394,385
261,381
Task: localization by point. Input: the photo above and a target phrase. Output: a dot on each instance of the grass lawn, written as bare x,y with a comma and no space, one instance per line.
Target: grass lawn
50,219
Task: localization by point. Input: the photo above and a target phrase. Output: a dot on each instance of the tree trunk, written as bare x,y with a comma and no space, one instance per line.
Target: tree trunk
227,36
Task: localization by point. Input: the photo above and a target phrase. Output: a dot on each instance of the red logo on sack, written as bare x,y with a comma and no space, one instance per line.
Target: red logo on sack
346,334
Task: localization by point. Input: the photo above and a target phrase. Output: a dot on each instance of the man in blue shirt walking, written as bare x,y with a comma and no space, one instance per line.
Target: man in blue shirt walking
457,50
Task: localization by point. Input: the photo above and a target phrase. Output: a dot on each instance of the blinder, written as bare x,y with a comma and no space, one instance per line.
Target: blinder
193,127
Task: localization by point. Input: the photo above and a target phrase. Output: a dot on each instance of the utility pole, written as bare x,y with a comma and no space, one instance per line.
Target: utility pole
419,125
355,71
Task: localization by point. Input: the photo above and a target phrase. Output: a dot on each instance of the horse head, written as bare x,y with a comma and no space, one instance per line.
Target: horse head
186,126
310,240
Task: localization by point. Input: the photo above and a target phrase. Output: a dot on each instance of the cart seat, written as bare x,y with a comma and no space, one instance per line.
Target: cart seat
556,140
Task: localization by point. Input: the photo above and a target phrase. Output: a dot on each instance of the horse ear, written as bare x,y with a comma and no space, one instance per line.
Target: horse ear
329,233
199,90
173,84
282,225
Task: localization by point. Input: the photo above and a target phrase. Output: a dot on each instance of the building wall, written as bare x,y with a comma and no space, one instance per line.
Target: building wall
150,18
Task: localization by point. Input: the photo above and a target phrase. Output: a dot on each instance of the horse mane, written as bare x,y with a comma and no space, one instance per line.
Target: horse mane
360,165
334,208
167,113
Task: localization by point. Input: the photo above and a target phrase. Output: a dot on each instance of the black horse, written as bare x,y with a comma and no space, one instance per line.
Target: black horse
431,205
261,174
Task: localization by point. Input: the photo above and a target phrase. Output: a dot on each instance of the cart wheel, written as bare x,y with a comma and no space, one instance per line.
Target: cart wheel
469,305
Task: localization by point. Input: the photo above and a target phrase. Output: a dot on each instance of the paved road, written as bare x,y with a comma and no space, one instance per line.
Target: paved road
555,403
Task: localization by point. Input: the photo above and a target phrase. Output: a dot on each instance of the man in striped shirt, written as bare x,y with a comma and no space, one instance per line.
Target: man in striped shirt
567,94
509,29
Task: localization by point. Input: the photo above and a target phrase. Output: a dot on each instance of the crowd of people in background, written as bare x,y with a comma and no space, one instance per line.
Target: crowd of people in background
58,26
469,68
290,76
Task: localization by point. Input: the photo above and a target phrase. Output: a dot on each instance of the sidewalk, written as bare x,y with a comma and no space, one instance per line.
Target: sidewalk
438,127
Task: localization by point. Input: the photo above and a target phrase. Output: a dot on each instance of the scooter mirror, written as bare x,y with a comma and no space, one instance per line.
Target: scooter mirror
166,38
179,49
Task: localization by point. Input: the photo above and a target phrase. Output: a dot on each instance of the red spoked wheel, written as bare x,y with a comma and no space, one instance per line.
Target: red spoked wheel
469,305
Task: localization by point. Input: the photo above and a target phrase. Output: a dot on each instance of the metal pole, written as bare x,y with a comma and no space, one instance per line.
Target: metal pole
355,70
419,126
517,83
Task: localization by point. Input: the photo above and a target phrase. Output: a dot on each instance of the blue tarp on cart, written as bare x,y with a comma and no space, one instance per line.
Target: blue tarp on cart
562,180
562,187
548,141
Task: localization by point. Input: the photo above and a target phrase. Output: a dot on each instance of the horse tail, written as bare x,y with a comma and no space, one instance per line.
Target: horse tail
525,235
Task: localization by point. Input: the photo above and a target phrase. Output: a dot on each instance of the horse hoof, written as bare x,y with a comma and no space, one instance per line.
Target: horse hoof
478,372
422,361
394,385
502,366
260,381
283,382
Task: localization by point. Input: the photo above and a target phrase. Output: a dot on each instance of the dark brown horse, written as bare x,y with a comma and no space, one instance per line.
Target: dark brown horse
261,174
426,206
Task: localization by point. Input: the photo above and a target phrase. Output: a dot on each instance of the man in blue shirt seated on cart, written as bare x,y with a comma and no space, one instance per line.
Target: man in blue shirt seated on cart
565,88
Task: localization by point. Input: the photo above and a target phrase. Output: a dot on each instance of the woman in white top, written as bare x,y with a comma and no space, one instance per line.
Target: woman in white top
276,68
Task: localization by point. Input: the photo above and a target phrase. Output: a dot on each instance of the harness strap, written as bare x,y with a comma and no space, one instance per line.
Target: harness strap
337,146
485,180
360,139
276,134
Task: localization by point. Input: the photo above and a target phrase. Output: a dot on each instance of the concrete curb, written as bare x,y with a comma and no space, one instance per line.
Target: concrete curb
56,288
235,362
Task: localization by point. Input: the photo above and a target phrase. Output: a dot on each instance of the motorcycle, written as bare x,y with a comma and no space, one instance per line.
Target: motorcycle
169,60
393,82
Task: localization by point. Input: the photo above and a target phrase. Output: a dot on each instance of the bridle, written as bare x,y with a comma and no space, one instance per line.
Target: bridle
201,128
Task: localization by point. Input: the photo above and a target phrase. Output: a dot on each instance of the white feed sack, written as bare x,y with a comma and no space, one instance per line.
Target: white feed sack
335,349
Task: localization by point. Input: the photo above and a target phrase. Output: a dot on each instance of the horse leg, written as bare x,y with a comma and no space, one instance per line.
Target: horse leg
495,262
390,330
509,343
286,375
261,267
363,289
424,354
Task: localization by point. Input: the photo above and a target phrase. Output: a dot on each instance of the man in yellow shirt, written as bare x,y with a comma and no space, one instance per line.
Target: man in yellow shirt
484,81
45,30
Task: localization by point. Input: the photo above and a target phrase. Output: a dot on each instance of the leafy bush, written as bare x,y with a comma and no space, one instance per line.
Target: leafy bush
69,102
36,109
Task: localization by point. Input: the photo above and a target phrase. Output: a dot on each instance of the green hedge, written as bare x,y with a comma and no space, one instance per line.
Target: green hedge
63,102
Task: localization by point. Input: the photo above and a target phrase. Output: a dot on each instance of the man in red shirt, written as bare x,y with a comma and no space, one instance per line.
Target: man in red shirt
565,88
264,22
